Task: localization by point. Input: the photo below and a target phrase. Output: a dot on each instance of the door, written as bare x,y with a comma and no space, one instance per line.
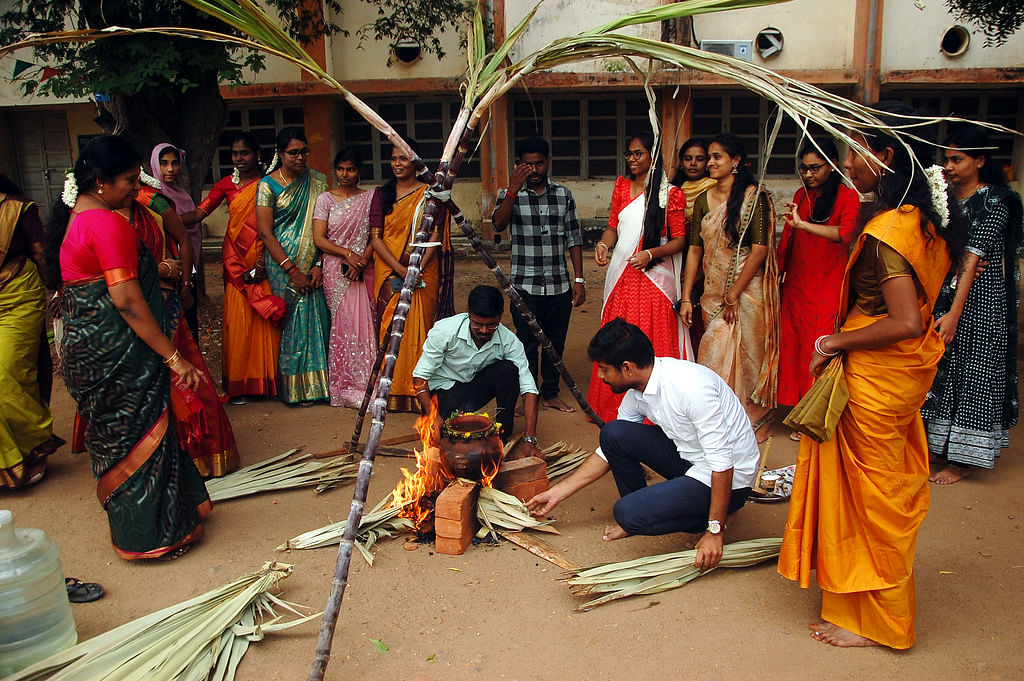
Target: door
42,149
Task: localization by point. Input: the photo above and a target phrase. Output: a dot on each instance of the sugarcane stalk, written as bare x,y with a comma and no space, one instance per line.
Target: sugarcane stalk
523,308
357,430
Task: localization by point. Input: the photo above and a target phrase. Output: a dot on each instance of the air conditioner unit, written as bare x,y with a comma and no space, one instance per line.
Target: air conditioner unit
740,49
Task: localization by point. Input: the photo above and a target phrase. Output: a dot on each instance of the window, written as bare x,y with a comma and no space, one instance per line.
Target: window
428,121
750,118
263,120
587,133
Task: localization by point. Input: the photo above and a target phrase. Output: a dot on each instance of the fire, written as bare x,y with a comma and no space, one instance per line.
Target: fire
423,486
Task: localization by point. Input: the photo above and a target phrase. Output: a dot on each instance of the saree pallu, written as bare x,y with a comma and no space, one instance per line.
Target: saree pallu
859,498
353,345
26,425
643,298
251,338
306,326
745,354
431,302
150,489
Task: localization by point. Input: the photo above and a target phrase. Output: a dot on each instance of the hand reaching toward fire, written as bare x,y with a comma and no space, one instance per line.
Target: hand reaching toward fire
541,504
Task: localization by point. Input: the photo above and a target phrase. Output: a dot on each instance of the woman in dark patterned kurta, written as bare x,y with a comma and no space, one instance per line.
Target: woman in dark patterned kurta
973,401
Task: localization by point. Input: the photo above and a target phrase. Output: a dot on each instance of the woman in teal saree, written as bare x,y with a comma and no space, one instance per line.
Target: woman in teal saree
285,201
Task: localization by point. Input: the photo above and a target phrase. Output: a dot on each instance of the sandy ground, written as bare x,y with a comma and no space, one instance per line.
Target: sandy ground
498,612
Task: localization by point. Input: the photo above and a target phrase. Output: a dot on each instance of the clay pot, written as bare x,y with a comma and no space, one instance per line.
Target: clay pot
470,446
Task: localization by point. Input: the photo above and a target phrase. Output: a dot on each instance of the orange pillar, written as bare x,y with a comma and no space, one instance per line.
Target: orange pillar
676,121
316,109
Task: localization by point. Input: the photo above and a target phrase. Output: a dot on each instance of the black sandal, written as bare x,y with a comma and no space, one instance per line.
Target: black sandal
83,592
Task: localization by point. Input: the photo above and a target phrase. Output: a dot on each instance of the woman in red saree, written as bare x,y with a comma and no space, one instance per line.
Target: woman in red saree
251,337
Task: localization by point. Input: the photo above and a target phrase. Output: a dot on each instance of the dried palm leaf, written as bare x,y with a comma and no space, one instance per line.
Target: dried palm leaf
382,521
563,459
202,638
653,574
285,471
497,510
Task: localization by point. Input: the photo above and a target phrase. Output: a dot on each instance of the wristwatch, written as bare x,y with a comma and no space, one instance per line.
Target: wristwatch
714,527
580,280
531,439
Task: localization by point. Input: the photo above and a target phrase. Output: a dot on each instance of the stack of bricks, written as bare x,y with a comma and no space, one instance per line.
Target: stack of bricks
523,477
455,517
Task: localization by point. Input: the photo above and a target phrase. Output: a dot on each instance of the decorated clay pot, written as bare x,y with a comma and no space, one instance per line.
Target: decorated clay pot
470,446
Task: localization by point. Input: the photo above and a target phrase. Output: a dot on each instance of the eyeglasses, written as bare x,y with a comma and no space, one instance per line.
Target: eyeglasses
633,153
484,327
295,153
811,168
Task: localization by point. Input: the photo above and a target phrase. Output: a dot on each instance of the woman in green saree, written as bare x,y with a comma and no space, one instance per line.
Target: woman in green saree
285,201
118,361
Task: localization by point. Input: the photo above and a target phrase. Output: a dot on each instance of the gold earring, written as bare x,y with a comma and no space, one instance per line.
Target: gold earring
100,191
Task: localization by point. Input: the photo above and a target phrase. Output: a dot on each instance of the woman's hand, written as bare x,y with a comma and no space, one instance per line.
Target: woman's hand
946,326
355,259
730,309
792,215
300,282
641,260
601,254
187,299
187,374
316,276
686,313
171,268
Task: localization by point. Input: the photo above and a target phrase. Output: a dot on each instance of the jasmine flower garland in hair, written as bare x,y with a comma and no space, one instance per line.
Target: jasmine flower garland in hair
148,179
663,191
236,177
940,201
70,193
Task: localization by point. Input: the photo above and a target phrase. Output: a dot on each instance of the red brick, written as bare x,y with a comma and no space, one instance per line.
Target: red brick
524,491
521,450
457,501
519,471
445,527
453,547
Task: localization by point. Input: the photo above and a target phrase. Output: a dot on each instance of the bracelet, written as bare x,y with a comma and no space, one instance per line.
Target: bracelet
727,303
601,243
173,359
818,349
422,390
511,194
189,283
161,265
286,259
685,302
649,255
291,269
579,280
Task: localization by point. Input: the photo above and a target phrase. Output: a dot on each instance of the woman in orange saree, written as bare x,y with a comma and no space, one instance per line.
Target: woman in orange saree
860,497
251,337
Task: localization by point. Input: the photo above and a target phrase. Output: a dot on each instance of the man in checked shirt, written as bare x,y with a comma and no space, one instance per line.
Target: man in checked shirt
544,224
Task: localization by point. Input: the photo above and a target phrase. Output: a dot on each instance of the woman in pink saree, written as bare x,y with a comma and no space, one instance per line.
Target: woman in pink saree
341,231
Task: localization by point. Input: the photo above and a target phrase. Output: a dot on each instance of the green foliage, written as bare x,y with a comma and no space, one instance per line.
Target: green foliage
998,19
423,21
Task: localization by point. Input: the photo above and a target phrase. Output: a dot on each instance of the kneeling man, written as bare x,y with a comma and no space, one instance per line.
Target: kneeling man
470,358
701,442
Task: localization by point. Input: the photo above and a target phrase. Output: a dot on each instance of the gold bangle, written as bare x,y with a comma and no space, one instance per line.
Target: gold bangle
601,243
281,263
173,359
649,254
727,303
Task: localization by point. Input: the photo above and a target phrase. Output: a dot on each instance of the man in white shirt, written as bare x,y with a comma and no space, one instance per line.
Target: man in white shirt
701,442
469,359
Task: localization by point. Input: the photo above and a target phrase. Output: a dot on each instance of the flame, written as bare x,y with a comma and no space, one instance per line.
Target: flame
422,487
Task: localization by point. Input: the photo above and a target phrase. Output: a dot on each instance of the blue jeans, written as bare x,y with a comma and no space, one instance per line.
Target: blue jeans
679,504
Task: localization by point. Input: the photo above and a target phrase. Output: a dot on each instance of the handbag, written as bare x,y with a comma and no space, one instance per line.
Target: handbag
817,413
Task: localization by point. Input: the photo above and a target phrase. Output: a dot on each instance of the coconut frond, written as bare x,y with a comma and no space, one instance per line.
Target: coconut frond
204,637
285,471
382,521
497,510
654,574
563,459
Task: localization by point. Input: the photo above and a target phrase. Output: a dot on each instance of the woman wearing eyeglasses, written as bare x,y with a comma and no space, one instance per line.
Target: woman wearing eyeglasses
285,201
641,249
821,223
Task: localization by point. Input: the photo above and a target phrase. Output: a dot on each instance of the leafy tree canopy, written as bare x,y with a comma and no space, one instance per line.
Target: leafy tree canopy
998,19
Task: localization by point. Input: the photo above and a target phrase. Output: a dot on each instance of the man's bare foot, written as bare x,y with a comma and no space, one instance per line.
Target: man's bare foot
613,532
555,403
950,474
839,637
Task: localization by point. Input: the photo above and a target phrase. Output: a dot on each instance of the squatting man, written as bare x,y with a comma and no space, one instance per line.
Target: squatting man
701,443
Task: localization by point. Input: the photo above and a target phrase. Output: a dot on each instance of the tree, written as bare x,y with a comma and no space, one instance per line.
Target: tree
168,89
998,19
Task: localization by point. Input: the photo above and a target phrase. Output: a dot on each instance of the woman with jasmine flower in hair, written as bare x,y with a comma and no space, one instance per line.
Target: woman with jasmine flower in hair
641,246
973,402
859,497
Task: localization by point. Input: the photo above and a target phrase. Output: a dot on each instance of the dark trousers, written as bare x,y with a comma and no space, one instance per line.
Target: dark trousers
552,313
498,381
680,504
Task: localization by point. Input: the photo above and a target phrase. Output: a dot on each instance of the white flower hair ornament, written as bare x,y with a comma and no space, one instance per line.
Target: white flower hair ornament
936,177
274,161
236,177
149,180
70,193
663,191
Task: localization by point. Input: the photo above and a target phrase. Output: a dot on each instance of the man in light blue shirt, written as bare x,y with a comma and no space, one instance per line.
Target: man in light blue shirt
469,359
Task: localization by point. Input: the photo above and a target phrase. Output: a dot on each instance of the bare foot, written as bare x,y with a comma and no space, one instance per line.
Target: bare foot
555,403
763,433
950,474
839,637
613,532
176,553
795,436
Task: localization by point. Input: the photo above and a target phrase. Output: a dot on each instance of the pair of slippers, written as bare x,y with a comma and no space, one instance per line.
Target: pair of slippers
82,592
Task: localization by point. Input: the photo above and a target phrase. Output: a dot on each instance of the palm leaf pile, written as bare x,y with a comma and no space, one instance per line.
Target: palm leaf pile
563,459
383,521
285,471
499,511
654,574
202,638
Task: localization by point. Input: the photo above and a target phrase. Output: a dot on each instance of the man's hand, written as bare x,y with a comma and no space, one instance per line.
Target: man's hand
520,172
542,504
709,551
579,294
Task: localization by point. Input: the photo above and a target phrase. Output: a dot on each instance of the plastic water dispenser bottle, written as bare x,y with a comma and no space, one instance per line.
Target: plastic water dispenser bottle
35,615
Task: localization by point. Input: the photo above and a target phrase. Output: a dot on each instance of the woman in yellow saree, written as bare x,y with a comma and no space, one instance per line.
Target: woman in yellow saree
860,497
392,236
